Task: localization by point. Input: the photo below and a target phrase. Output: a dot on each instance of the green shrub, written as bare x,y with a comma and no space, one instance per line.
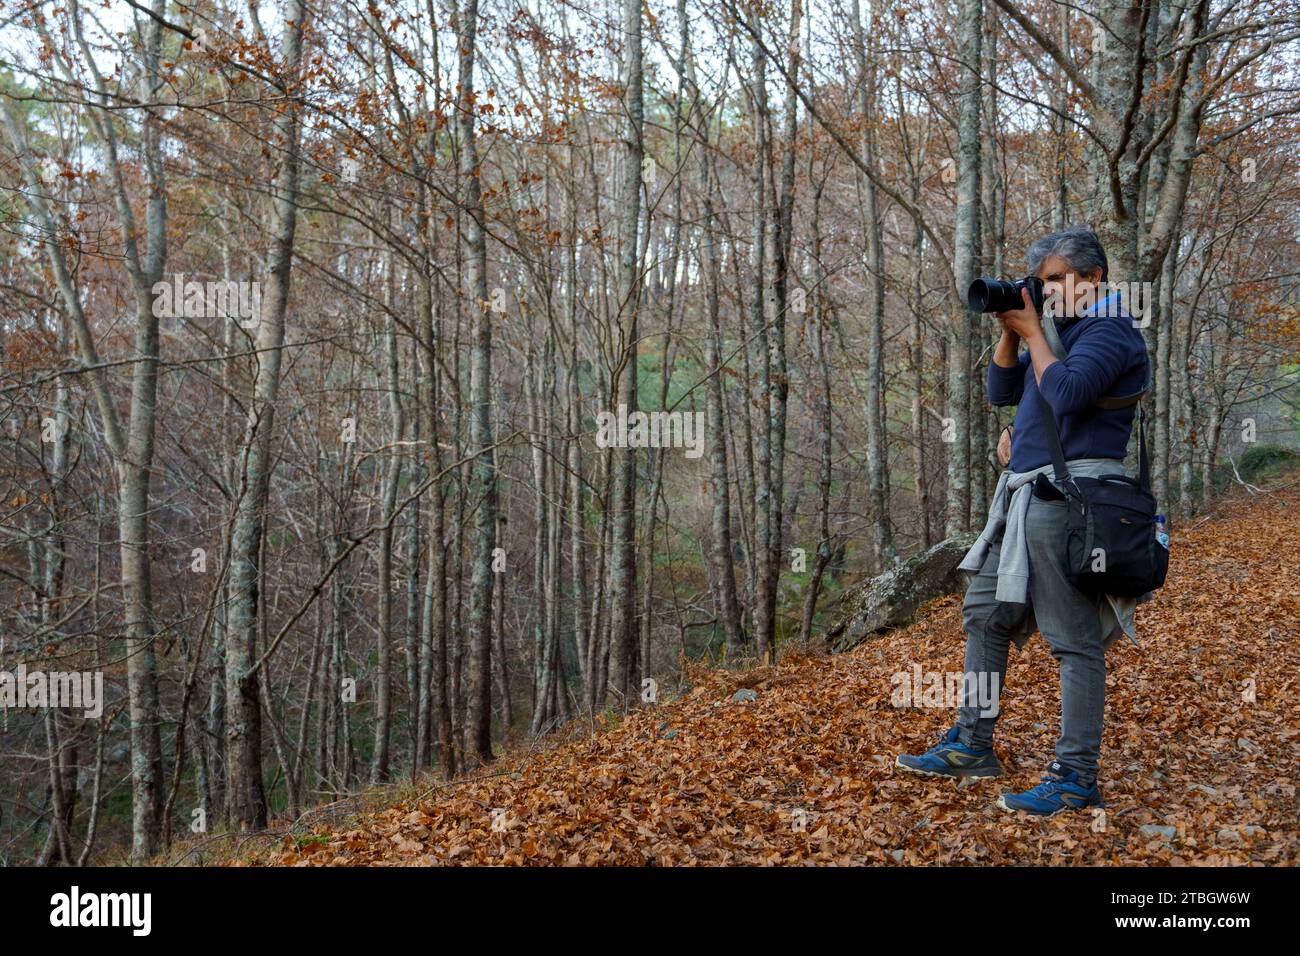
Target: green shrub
1266,461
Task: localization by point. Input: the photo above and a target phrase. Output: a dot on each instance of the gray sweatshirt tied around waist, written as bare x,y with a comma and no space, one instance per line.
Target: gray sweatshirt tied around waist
1006,521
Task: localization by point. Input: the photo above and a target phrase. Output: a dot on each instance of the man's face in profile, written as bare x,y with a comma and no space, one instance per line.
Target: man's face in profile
1067,292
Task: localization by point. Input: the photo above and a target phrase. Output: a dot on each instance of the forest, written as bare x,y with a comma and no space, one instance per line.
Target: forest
386,384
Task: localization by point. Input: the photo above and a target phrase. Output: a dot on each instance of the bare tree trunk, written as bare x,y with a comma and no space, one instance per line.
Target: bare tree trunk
435,690
543,662
483,488
392,474
993,217
577,496
757,355
877,444
132,448
966,247
245,795
822,401
1060,125
1162,460
916,357
720,554
624,676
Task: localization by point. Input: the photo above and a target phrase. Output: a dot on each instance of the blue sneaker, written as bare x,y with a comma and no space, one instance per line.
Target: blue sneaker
951,759
1060,790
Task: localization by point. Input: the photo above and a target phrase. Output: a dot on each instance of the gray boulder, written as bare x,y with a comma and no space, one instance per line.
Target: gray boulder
892,599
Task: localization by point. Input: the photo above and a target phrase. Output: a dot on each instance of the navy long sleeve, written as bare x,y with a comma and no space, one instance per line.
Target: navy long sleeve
1006,385
1107,356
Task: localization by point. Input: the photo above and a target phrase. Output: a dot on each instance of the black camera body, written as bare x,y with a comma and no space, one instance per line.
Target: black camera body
999,295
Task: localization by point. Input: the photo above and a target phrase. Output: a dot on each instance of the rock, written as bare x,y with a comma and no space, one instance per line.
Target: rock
892,599
743,695
897,855
670,734
1235,834
1150,830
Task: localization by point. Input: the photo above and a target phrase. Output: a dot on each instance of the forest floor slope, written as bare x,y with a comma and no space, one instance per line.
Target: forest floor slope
1199,757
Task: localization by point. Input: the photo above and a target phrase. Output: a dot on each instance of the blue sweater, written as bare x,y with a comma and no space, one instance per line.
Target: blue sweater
1107,356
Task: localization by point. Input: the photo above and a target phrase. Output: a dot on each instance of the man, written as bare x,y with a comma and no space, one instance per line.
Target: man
1020,561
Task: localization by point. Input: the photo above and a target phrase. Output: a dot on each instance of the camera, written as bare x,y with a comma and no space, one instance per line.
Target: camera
999,295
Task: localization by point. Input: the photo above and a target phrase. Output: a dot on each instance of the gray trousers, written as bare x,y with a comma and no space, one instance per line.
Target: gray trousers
1067,618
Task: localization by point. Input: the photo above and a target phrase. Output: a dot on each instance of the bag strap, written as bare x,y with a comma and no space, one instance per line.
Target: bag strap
1144,464
1111,402
1059,469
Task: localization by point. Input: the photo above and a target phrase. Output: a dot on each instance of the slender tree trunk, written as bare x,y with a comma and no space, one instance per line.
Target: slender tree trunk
245,796
966,248
483,489
720,554
877,445
624,676
379,770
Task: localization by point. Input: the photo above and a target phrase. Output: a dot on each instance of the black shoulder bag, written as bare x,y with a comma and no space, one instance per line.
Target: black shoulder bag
1110,524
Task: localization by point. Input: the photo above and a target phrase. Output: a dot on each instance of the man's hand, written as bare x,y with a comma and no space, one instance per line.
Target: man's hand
1004,447
1022,322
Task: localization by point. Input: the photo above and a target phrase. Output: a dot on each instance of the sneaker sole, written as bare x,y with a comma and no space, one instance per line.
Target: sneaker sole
1050,813
975,775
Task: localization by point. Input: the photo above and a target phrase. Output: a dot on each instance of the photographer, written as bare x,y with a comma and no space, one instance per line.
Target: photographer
1019,561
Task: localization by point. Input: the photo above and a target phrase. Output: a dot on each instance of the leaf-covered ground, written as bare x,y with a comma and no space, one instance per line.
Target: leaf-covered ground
1193,770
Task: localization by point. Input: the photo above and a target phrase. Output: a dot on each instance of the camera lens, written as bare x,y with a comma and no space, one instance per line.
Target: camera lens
992,295
998,295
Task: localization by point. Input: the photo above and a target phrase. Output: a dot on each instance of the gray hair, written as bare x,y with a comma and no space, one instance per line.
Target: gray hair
1078,246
